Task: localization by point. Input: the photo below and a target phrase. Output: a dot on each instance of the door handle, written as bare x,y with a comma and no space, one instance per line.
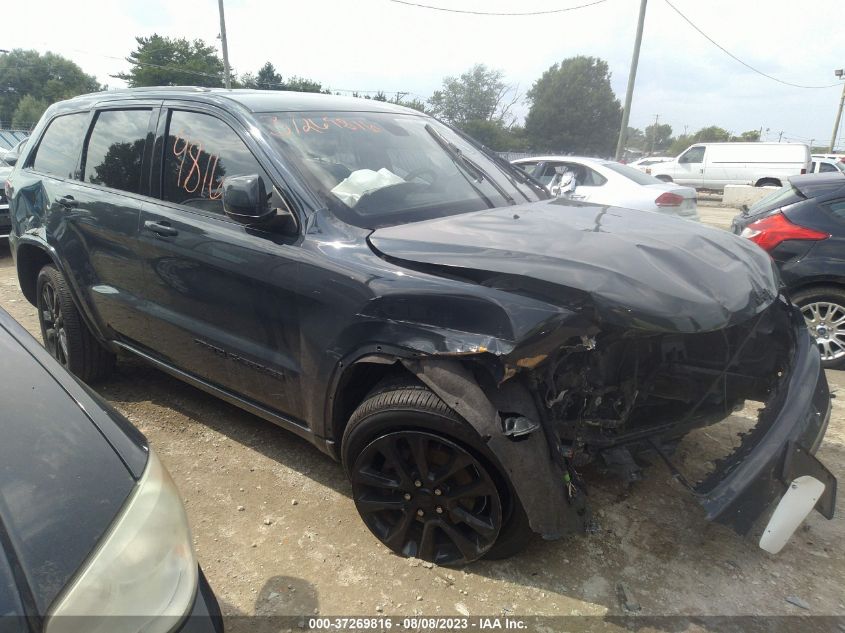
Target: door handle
160,228
574,197
68,202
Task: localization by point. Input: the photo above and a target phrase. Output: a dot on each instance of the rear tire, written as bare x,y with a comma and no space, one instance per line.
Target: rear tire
409,421
823,308
664,178
768,182
65,335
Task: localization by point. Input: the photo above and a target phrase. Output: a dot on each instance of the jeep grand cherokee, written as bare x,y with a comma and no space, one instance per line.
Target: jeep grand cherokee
378,283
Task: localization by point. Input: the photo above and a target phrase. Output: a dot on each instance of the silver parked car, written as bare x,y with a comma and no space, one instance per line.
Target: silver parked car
608,182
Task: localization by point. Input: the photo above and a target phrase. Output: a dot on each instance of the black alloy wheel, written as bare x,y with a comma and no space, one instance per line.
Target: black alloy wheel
52,322
425,496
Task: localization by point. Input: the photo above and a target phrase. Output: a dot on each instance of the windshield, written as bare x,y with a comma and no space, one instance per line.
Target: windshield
377,169
632,174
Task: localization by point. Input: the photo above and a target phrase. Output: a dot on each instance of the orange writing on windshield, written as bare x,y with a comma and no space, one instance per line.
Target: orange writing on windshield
301,126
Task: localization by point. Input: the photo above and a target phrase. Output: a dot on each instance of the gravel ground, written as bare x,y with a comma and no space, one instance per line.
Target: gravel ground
277,534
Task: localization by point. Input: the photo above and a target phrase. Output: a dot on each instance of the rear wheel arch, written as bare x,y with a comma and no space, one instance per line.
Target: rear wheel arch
30,259
768,182
664,178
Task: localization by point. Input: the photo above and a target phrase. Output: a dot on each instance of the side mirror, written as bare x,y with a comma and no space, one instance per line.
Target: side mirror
245,200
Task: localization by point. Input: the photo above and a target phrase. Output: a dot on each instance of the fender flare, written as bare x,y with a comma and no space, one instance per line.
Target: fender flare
44,247
528,463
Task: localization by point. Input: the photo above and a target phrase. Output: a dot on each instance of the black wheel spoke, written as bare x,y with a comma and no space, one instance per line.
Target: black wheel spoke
455,465
369,504
481,525
419,450
394,458
397,537
476,488
467,547
370,477
426,550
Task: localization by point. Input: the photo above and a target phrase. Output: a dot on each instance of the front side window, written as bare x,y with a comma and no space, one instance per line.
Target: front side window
824,167
693,155
200,153
375,169
115,149
58,151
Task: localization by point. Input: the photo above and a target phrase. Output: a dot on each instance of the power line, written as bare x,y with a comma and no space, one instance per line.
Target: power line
727,52
497,13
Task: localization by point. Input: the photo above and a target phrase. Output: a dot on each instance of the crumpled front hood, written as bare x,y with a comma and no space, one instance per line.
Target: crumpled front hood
642,270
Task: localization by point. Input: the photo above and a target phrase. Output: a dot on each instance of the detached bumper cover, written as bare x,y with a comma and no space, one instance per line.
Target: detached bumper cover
784,452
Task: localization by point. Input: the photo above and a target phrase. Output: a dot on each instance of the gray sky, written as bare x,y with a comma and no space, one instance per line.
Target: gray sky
381,45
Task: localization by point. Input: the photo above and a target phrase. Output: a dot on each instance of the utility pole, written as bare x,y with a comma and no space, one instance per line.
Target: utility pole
654,133
227,79
632,77
838,74
780,136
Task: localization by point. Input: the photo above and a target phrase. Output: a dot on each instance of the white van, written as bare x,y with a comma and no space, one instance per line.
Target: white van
714,165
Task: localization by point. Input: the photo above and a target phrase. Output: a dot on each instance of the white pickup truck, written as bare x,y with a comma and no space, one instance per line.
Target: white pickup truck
714,165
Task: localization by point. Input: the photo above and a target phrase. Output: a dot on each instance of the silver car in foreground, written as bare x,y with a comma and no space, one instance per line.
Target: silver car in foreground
608,182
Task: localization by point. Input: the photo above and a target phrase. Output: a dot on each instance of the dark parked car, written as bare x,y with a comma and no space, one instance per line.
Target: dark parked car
90,522
802,226
376,282
5,222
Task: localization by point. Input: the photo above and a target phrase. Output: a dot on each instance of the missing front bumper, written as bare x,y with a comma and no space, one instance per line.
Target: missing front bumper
784,453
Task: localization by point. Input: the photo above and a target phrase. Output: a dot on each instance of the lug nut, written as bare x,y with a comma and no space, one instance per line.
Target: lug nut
438,492
439,510
420,512
407,496
418,483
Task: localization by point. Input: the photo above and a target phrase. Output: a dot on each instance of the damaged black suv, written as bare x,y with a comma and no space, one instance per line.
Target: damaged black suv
376,282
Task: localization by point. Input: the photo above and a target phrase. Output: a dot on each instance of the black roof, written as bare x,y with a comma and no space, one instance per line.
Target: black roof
251,100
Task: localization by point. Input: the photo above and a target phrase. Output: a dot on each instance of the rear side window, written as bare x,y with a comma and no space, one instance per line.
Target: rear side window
837,208
115,149
200,153
823,167
782,197
58,151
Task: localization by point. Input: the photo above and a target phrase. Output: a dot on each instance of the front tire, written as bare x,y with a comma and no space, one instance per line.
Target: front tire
65,335
422,484
823,308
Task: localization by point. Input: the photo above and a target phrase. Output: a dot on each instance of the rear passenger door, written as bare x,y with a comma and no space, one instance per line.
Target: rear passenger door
220,297
103,207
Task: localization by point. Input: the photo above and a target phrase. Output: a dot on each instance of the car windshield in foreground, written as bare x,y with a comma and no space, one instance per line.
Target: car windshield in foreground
632,174
377,169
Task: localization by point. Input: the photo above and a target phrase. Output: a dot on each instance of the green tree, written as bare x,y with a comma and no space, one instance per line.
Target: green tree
573,108
480,94
635,139
300,84
267,78
28,112
749,136
165,61
711,134
658,137
48,78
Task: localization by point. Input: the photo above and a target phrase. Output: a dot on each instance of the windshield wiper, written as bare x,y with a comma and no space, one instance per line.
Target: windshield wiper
468,164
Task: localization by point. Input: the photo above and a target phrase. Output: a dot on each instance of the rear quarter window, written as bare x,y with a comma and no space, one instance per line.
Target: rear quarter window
837,209
58,152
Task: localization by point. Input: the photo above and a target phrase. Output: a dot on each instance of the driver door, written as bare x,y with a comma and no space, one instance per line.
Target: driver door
690,171
220,298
